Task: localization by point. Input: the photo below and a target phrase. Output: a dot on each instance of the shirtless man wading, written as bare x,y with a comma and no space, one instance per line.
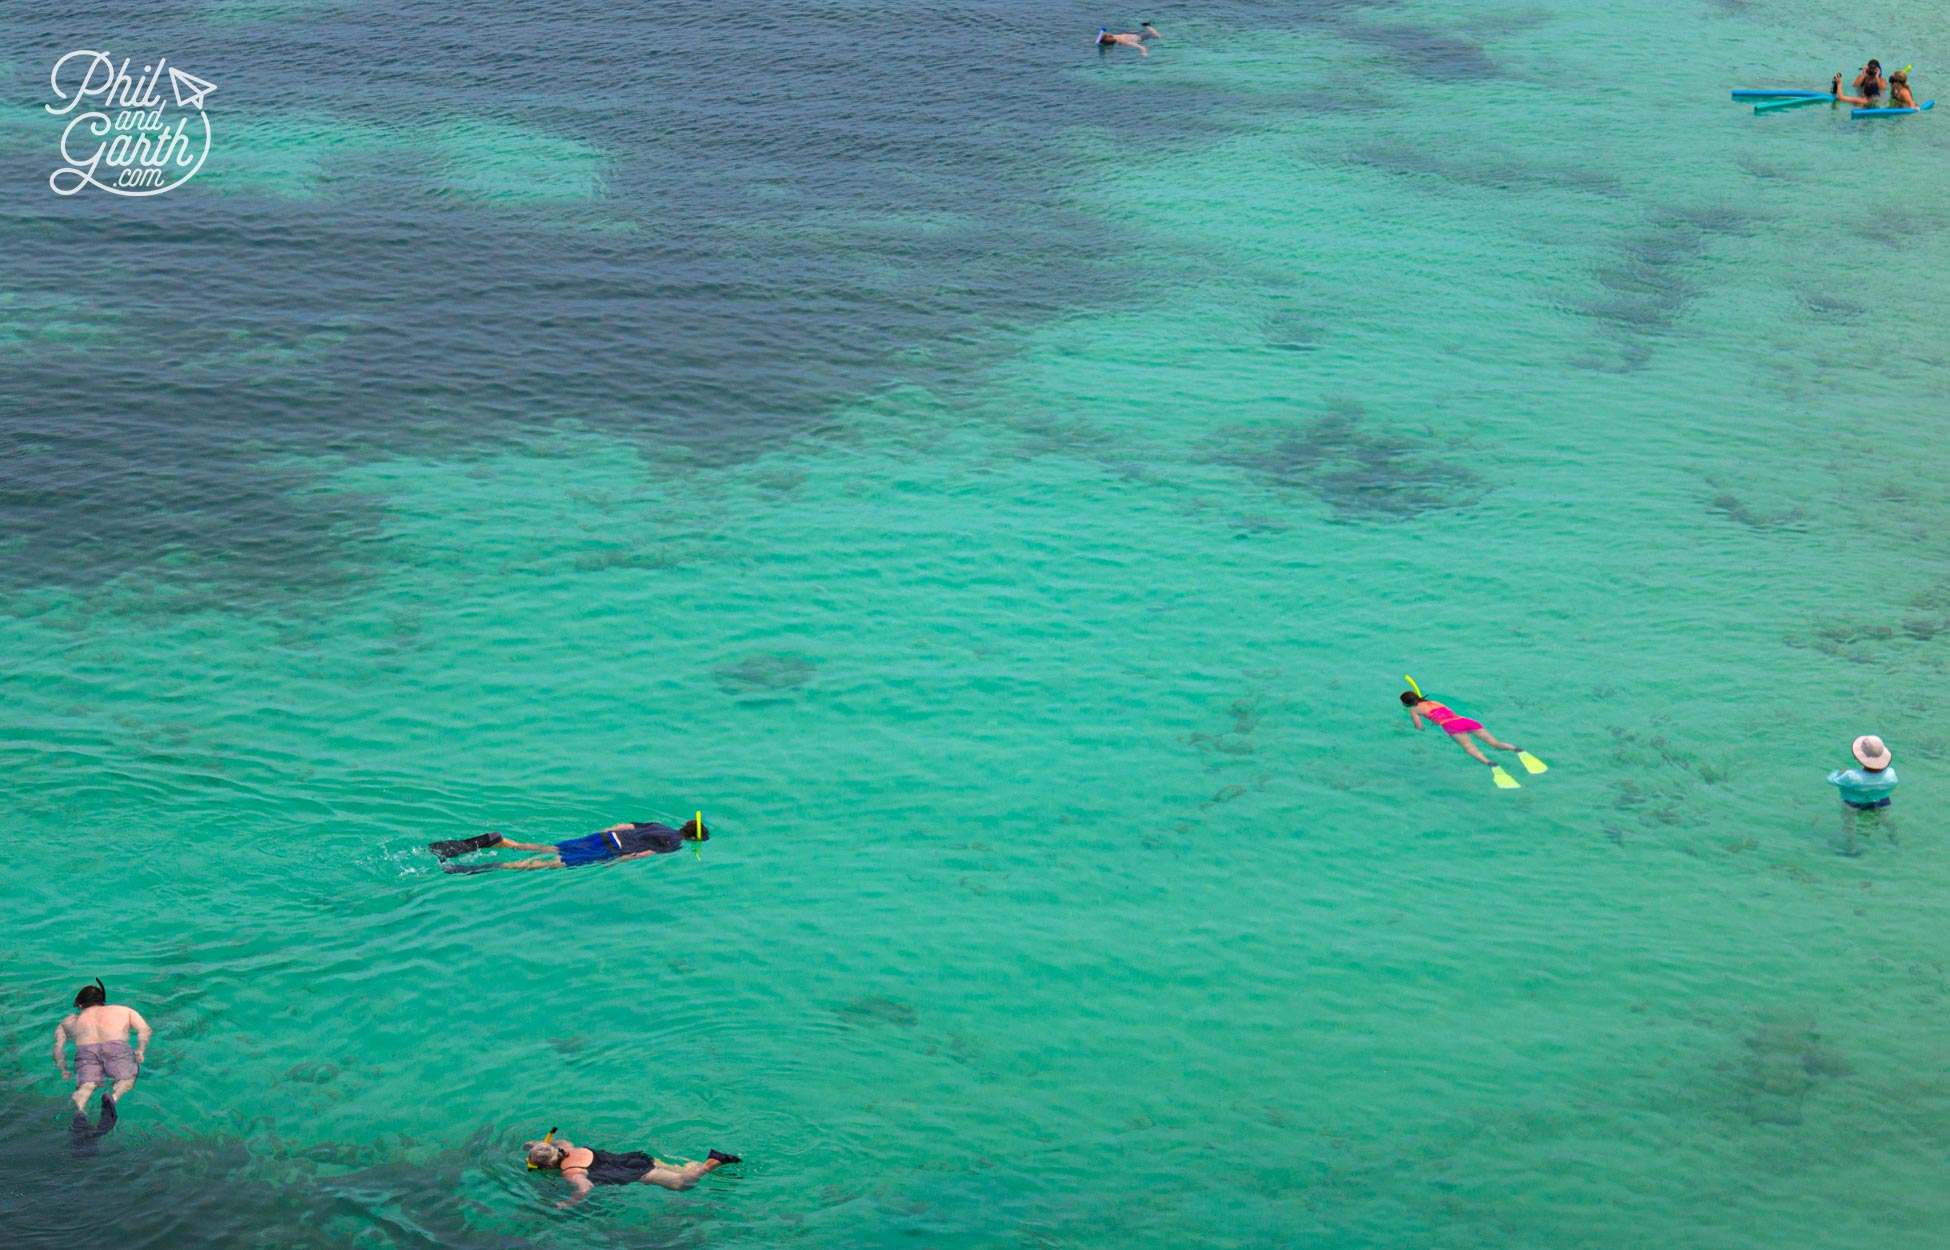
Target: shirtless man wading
100,1032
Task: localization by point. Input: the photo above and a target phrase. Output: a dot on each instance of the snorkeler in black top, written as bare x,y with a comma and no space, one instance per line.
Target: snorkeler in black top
1869,82
584,1168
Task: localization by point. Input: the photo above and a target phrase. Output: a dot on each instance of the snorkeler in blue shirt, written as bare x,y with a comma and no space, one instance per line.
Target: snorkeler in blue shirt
613,845
1866,789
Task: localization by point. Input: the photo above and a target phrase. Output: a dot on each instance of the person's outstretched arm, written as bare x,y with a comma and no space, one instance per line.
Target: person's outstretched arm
579,1184
142,1034
61,1047
1416,717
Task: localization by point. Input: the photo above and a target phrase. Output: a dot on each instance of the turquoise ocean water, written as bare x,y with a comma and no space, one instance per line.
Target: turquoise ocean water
1005,500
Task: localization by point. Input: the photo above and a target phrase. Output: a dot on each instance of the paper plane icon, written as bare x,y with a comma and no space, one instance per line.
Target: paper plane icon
189,89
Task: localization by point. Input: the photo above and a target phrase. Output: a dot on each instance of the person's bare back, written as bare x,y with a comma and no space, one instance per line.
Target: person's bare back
109,1022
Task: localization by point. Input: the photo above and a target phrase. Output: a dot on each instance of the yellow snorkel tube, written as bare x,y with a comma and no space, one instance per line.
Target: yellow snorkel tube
1412,686
545,1137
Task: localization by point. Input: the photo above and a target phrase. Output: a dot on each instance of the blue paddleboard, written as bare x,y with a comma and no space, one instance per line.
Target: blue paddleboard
1927,104
1745,93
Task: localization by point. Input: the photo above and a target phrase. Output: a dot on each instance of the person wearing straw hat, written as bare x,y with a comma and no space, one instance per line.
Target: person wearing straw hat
1868,788
632,840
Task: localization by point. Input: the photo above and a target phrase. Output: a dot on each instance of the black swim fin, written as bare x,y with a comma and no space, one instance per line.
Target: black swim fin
461,846
81,1136
106,1124
719,1156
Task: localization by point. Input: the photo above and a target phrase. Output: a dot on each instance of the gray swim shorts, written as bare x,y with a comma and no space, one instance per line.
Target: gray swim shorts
97,1061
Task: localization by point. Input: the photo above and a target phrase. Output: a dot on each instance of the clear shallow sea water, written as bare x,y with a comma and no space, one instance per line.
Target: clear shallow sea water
1002,485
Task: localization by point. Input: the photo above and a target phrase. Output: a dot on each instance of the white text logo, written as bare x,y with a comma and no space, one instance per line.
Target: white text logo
121,135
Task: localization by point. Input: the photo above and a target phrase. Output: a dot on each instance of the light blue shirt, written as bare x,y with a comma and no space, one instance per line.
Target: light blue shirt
1859,785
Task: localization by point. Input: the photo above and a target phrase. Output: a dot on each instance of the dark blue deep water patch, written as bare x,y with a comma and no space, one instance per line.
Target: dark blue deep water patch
695,226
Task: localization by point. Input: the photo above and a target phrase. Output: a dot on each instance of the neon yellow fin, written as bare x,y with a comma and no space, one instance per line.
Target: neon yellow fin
1532,763
1504,781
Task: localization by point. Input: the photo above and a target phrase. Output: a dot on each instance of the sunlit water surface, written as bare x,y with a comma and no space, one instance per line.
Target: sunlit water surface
1002,485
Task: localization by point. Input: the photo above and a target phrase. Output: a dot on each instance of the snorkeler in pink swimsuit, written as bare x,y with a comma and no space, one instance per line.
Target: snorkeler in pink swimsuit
1461,729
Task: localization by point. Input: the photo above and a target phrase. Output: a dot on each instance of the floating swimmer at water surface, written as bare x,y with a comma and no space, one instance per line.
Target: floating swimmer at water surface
1461,729
633,840
100,1032
585,1168
1129,39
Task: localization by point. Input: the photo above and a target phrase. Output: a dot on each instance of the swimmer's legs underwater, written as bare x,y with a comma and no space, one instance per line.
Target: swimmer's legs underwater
482,842
685,1175
530,863
1878,818
520,864
82,1136
445,851
1463,741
